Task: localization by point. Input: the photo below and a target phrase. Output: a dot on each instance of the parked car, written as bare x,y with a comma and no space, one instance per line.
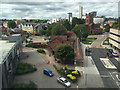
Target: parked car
115,54
110,50
64,81
48,72
87,49
109,55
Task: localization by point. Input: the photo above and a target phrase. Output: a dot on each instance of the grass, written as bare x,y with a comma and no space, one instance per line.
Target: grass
41,51
24,85
24,68
92,38
87,42
106,43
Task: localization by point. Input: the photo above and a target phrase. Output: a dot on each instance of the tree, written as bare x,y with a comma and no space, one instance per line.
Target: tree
11,24
81,31
75,21
58,29
49,29
107,28
115,25
67,25
65,53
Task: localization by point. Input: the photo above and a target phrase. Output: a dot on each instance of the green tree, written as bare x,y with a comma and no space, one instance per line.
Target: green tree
115,25
75,21
11,24
107,28
81,31
67,25
65,53
58,29
49,29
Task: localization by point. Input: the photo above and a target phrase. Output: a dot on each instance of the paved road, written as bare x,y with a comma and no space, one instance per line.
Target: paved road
99,40
106,74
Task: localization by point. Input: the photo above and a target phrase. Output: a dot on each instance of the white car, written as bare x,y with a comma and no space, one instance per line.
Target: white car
64,81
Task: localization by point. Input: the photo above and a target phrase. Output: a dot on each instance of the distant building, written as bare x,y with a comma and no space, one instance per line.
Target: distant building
11,52
31,27
99,20
93,28
69,17
56,20
80,12
94,13
110,22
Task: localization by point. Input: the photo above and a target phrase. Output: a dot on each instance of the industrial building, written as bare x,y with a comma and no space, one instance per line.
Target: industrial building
10,55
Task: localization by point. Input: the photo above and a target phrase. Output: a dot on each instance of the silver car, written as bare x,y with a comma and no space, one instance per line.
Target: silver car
64,81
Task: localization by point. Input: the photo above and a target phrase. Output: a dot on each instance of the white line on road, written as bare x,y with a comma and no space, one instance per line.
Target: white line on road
111,75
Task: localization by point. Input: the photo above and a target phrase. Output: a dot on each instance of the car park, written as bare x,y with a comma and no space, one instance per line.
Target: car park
48,72
64,81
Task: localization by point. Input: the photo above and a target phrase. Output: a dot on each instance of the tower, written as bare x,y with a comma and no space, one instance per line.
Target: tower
80,11
69,17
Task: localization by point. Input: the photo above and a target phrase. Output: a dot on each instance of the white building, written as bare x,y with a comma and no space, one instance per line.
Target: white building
80,11
98,20
55,20
69,17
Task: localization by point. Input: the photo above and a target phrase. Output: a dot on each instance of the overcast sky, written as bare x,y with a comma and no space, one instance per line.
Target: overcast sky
47,10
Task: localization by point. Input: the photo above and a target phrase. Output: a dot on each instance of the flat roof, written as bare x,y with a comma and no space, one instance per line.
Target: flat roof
15,34
5,47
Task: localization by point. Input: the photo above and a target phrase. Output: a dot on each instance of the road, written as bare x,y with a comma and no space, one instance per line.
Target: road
100,38
107,75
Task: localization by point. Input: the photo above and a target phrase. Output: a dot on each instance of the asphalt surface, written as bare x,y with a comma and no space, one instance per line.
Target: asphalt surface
106,74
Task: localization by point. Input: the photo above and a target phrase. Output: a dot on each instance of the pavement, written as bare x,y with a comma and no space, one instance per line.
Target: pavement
90,73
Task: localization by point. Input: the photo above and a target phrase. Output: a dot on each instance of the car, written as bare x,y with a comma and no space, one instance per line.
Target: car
115,54
64,81
48,72
109,55
110,50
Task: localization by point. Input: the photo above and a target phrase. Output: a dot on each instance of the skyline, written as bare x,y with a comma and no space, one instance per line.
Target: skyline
49,10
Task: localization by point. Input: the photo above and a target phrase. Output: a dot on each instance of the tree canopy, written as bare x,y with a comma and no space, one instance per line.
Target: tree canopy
67,25
76,20
11,24
81,31
107,28
65,53
58,29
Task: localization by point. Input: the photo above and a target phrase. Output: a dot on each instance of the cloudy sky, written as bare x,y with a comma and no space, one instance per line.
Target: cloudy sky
47,10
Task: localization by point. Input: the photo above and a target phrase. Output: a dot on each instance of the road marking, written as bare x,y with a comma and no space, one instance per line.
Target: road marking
117,77
111,75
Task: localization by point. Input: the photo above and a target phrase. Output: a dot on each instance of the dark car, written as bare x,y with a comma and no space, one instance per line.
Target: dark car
110,50
109,55
48,72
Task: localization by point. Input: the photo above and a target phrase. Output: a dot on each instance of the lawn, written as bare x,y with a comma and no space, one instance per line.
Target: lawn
24,68
92,38
86,42
41,51
31,85
106,42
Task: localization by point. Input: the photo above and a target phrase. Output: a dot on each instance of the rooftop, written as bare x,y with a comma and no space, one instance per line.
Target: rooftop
5,48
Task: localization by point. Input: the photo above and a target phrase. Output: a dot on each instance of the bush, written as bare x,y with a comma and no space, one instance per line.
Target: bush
24,68
29,45
24,85
41,51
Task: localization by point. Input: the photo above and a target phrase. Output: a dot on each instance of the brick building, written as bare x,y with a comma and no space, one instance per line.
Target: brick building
93,28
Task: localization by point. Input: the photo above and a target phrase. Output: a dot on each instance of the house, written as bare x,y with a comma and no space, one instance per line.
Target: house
31,27
61,39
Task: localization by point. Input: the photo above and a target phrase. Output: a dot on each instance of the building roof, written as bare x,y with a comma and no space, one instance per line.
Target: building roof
5,49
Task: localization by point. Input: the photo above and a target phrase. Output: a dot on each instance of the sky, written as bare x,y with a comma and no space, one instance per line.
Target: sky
48,9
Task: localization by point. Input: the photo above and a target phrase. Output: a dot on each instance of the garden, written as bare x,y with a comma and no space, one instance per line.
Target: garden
24,68
41,51
71,74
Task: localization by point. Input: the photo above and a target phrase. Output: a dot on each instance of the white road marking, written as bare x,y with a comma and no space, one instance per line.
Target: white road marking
111,75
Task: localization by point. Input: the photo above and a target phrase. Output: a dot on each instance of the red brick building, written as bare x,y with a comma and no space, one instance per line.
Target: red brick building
93,28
